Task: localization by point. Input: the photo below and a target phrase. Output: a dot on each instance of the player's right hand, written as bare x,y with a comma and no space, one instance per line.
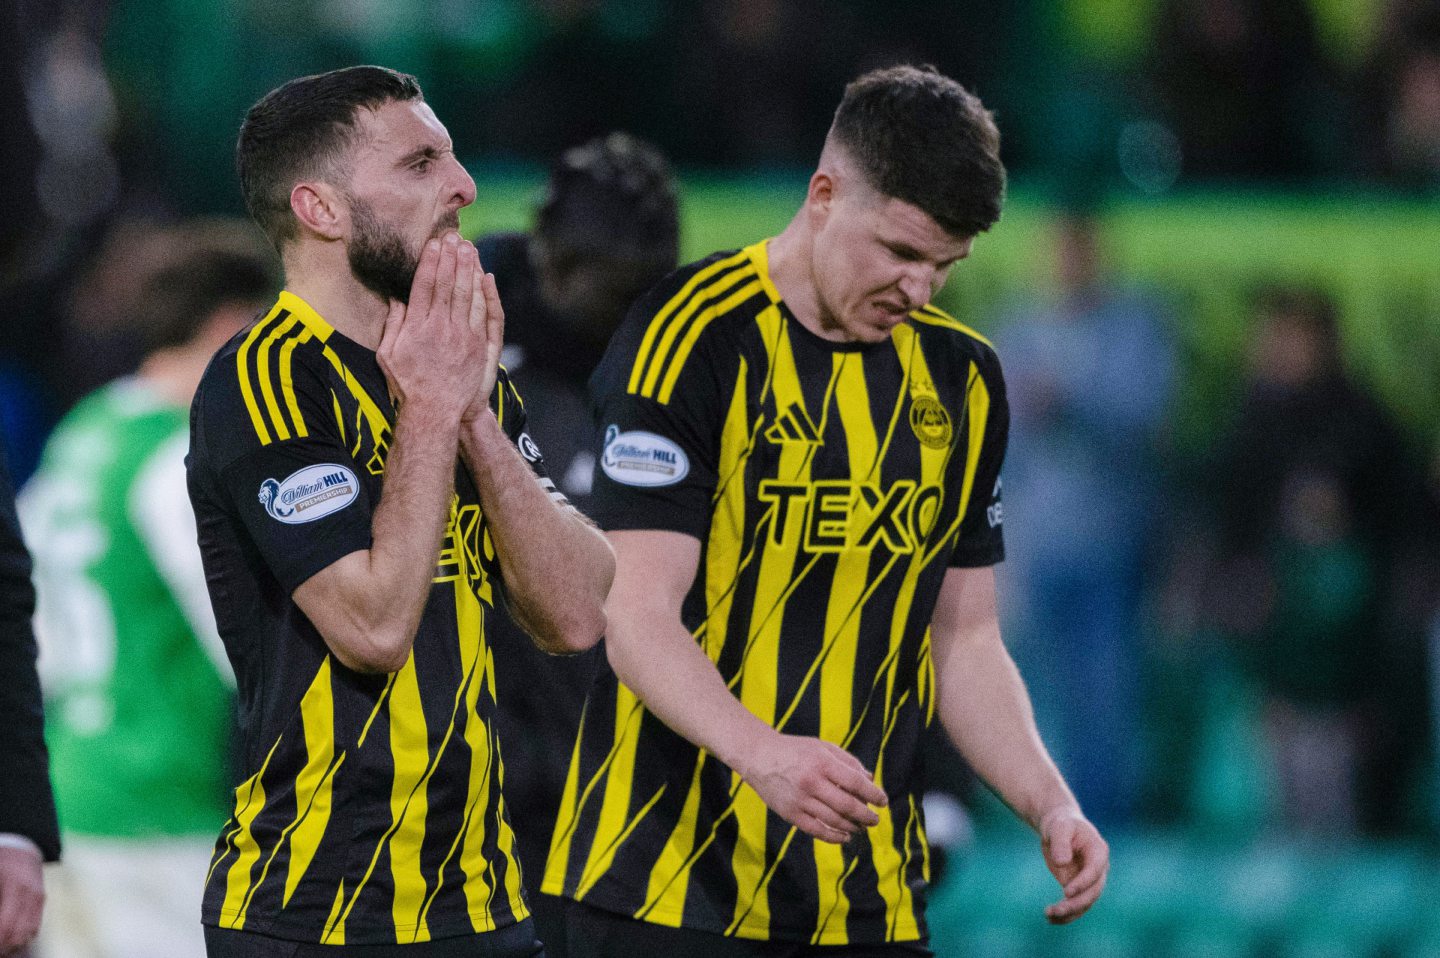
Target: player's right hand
814,785
429,350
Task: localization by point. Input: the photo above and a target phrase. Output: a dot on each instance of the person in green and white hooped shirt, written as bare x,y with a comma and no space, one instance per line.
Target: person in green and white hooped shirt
139,693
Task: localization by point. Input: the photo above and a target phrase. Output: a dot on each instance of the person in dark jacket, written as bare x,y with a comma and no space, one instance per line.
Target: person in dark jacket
606,230
29,833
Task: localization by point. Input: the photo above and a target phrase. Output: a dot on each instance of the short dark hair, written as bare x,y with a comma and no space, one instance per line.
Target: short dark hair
213,263
302,129
920,137
614,198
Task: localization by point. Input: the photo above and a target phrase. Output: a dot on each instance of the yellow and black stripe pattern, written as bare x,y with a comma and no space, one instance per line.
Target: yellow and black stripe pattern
839,485
371,810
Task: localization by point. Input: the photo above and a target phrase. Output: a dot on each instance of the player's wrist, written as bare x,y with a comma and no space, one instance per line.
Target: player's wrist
478,408
746,748
1059,808
430,411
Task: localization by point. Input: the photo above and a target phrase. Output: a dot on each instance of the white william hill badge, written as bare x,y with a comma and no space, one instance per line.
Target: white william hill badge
639,458
310,493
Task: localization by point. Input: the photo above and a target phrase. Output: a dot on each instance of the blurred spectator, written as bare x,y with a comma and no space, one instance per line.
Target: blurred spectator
137,682
1089,377
606,231
594,65
1309,487
1244,87
1401,140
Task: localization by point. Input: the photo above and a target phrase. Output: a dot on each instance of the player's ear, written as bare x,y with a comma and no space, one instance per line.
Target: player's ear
821,196
321,209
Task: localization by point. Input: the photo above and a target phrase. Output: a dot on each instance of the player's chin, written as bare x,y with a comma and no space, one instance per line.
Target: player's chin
878,330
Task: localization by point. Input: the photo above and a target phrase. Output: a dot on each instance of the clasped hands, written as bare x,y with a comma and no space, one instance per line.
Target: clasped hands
442,348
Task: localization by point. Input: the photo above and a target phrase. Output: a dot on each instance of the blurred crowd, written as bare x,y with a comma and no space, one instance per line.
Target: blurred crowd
1239,636
1231,637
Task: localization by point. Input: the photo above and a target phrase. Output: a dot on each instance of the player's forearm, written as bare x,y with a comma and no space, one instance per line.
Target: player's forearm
659,660
368,605
986,709
557,566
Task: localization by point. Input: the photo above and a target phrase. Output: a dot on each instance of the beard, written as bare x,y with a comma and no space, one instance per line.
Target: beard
378,255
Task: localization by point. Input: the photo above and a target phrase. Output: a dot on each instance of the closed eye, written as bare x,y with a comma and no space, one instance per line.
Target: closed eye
904,252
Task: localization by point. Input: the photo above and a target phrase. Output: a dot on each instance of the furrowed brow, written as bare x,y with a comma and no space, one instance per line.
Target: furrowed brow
427,152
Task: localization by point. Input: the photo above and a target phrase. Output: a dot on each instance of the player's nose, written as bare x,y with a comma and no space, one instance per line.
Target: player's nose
461,184
915,288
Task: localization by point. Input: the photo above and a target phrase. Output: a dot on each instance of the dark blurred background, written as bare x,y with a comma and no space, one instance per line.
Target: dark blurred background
1216,290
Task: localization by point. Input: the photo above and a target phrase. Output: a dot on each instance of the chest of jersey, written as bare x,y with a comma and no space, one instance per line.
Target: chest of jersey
849,450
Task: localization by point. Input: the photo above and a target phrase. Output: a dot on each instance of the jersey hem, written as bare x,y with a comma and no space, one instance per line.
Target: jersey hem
676,919
386,935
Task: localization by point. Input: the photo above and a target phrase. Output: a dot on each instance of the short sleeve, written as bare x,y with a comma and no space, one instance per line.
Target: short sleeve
981,541
656,466
303,505
300,499
514,420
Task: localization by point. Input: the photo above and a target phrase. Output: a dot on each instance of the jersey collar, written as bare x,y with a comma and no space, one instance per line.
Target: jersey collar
302,311
759,254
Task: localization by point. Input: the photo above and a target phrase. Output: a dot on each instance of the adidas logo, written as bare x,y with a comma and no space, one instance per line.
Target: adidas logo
793,425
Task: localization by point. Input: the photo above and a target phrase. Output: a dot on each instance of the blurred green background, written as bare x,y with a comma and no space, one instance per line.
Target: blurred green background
1222,145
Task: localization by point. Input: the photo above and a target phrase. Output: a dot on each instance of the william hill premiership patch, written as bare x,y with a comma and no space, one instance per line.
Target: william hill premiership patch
930,422
309,494
639,458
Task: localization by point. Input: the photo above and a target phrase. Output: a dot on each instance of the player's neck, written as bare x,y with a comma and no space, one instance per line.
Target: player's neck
320,275
789,256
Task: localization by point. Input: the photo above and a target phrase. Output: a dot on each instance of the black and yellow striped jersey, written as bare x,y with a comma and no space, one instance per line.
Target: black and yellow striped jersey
832,485
370,809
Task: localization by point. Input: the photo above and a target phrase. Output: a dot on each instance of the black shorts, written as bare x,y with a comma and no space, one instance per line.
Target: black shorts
594,933
516,941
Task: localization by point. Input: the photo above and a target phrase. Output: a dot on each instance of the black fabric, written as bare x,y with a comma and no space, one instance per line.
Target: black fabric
539,696
593,933
27,804
516,941
832,486
364,797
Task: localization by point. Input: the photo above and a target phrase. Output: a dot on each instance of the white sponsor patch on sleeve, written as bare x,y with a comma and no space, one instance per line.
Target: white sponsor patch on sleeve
639,458
528,448
310,493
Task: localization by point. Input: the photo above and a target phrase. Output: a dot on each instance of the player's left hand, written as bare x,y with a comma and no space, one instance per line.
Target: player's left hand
1078,858
487,321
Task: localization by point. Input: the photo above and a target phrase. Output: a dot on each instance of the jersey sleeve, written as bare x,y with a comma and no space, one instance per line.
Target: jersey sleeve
981,540
514,420
284,471
656,465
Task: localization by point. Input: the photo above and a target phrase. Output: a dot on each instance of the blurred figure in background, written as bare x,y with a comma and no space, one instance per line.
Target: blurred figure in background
1309,490
606,231
1090,373
28,832
139,688
1400,139
1245,87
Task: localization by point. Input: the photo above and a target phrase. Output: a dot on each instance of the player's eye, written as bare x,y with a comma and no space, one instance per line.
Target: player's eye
422,165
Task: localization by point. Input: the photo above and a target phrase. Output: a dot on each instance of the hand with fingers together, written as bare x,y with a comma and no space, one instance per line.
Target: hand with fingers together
814,785
487,322
1078,858
429,350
